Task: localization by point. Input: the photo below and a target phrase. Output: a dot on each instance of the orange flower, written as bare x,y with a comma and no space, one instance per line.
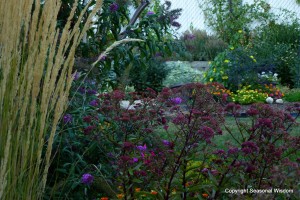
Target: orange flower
137,189
153,192
120,196
104,198
205,195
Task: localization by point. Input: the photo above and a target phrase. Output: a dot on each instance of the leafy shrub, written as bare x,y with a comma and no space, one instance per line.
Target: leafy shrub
280,42
292,95
153,76
74,151
236,67
181,73
242,66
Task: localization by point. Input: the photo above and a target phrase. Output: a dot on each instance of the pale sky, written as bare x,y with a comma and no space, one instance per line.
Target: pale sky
193,14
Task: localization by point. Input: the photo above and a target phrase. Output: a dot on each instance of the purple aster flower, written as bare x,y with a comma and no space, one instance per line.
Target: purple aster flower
113,7
67,118
135,160
142,148
150,13
176,100
94,103
87,179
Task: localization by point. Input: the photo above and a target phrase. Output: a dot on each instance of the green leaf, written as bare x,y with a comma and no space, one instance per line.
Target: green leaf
137,180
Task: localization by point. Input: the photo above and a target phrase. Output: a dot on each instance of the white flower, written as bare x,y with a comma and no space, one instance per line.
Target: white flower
269,100
279,101
127,106
124,104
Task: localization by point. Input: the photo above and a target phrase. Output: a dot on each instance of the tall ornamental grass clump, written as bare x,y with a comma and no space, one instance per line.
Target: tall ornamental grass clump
36,61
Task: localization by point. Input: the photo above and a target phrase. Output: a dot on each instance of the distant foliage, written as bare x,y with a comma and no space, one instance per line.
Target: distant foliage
226,18
181,73
279,43
201,46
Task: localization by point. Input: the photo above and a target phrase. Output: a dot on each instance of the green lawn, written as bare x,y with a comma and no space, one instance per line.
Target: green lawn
220,140
230,123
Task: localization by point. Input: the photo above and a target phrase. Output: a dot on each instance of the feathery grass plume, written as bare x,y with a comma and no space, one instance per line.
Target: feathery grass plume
114,45
36,61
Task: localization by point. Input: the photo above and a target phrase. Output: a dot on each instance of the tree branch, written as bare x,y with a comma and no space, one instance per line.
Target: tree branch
135,16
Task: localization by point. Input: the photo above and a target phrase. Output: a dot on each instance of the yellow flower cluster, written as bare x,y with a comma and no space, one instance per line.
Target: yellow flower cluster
248,96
